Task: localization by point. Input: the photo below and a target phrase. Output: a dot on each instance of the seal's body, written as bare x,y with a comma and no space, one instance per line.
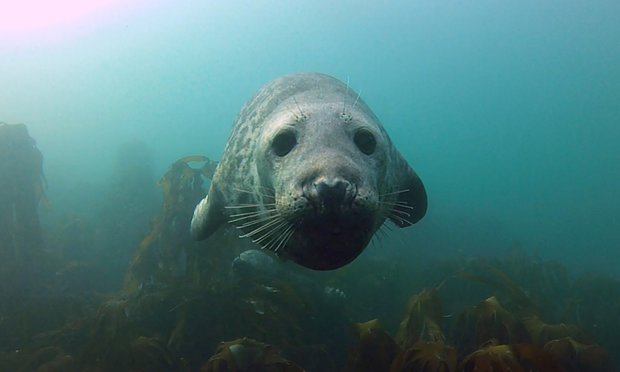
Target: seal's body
310,174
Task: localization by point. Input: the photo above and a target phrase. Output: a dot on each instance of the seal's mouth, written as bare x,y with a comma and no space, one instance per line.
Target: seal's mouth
329,241
333,227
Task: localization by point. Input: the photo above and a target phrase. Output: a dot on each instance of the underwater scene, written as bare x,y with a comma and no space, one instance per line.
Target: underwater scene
309,186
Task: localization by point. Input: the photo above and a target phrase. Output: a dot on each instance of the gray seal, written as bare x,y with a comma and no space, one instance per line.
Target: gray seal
310,174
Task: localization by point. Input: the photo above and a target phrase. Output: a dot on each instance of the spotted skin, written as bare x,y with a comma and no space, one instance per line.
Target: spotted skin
310,173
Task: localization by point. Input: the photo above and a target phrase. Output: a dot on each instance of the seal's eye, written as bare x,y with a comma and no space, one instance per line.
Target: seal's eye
365,141
284,142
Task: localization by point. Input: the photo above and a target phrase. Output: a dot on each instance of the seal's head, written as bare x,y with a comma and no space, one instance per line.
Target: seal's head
310,174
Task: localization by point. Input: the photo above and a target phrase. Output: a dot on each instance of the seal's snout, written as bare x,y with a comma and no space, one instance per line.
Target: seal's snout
329,193
332,191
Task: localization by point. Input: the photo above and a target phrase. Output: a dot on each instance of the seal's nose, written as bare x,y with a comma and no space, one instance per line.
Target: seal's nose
331,191
328,193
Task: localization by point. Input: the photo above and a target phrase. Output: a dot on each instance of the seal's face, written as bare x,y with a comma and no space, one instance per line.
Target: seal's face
327,199
310,174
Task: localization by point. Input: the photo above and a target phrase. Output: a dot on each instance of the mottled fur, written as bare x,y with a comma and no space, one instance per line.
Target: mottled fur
253,186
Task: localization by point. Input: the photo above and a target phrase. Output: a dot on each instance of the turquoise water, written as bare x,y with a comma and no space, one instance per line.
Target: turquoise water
509,111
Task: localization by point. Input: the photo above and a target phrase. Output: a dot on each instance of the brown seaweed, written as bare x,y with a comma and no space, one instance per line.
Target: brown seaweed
542,332
488,321
426,357
491,276
575,356
167,246
247,355
508,358
168,316
22,186
423,319
375,349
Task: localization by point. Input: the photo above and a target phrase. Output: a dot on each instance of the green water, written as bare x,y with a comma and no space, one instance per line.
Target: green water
509,111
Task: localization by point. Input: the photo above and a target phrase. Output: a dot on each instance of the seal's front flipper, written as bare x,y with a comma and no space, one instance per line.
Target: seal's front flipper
208,215
411,204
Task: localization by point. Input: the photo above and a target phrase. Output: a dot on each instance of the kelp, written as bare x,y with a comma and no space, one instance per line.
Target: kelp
183,298
421,337
492,358
509,358
542,332
167,251
488,336
422,321
575,356
170,327
49,358
595,307
375,349
487,321
22,186
491,276
247,355
150,354
426,357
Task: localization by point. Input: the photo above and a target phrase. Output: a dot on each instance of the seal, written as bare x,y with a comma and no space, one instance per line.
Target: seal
310,174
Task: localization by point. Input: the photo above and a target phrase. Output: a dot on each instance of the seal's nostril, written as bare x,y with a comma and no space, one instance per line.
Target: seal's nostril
333,192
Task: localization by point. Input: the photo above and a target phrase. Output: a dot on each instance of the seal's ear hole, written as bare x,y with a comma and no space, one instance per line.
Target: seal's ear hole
284,142
365,141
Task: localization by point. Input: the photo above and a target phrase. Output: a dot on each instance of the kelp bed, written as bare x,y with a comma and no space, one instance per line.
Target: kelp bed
478,319
188,306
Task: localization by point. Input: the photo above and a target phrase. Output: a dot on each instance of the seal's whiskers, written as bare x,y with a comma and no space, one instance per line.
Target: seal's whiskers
396,204
393,192
301,113
269,234
272,229
294,184
402,213
256,212
260,220
249,205
400,219
377,238
286,237
399,204
344,100
247,215
356,99
261,228
278,241
270,193
397,210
